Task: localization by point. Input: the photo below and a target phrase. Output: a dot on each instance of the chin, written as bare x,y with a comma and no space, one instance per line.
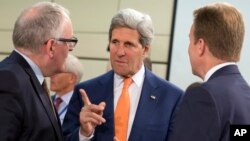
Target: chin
122,73
58,71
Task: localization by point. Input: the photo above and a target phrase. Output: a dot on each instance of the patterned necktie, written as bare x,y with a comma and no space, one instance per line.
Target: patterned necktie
57,103
122,112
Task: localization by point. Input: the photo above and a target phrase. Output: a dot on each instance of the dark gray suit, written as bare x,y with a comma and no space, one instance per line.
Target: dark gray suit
25,112
208,110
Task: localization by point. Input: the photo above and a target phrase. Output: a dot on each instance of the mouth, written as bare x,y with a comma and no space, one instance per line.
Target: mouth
120,61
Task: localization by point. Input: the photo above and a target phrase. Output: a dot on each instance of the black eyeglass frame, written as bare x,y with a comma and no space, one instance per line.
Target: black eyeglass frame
73,40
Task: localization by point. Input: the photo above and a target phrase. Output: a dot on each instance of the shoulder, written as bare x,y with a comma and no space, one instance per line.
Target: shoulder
161,83
199,95
165,90
13,65
102,79
12,75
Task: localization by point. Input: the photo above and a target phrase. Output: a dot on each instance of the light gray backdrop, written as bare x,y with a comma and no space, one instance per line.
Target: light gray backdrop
180,69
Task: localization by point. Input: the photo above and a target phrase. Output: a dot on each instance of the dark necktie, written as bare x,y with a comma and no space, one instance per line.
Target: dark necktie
45,87
57,103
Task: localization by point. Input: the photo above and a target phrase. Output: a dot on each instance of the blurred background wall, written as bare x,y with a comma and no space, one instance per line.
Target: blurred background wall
91,19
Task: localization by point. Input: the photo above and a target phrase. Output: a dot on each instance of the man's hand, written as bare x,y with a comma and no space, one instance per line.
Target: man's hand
90,115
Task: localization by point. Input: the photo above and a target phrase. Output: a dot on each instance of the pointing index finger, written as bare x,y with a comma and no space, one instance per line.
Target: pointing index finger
85,97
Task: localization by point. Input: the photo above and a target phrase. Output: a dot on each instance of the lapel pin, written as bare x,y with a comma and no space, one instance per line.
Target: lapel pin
153,97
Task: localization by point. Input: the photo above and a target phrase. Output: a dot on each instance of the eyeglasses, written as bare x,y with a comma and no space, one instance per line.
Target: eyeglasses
70,42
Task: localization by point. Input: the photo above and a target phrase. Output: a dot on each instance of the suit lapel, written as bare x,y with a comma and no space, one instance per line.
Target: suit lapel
42,95
147,104
108,95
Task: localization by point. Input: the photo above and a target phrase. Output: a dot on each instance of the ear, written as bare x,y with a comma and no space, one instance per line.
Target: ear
50,47
146,50
72,78
201,47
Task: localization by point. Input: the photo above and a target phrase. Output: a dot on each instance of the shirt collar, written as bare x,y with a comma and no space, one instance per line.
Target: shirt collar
215,68
137,78
66,97
33,66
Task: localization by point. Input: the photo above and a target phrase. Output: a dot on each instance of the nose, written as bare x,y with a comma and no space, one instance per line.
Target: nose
121,50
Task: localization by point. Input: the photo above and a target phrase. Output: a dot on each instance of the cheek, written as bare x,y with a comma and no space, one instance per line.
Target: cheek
61,60
111,53
65,55
64,52
59,83
190,53
137,60
189,46
59,78
111,58
55,81
190,49
61,56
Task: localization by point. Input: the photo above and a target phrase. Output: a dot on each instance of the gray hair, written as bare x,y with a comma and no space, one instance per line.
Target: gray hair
135,20
73,65
38,23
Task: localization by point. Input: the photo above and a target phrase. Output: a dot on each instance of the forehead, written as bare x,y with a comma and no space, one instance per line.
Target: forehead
67,30
125,33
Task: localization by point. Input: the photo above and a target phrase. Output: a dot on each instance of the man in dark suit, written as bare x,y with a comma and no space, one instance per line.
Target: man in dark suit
152,99
42,39
208,110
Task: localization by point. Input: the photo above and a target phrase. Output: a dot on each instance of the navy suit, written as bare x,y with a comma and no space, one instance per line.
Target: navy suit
152,117
25,111
208,110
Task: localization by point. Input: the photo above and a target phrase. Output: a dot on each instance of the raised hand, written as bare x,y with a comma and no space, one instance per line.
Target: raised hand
90,115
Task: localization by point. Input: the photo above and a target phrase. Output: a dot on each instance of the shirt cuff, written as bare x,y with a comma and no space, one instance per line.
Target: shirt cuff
83,138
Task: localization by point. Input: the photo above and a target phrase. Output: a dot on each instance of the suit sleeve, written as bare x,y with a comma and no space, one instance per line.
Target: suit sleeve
197,118
10,107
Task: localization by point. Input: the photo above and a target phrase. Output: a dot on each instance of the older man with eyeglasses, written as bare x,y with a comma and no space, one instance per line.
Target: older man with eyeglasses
42,37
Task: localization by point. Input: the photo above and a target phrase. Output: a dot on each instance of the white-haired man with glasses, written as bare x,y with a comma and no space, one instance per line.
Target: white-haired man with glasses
42,37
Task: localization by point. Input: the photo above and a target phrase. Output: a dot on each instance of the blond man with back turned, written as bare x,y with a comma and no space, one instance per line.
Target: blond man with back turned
208,110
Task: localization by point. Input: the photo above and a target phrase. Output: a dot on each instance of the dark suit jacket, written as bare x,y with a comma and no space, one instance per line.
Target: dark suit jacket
208,110
25,112
152,117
